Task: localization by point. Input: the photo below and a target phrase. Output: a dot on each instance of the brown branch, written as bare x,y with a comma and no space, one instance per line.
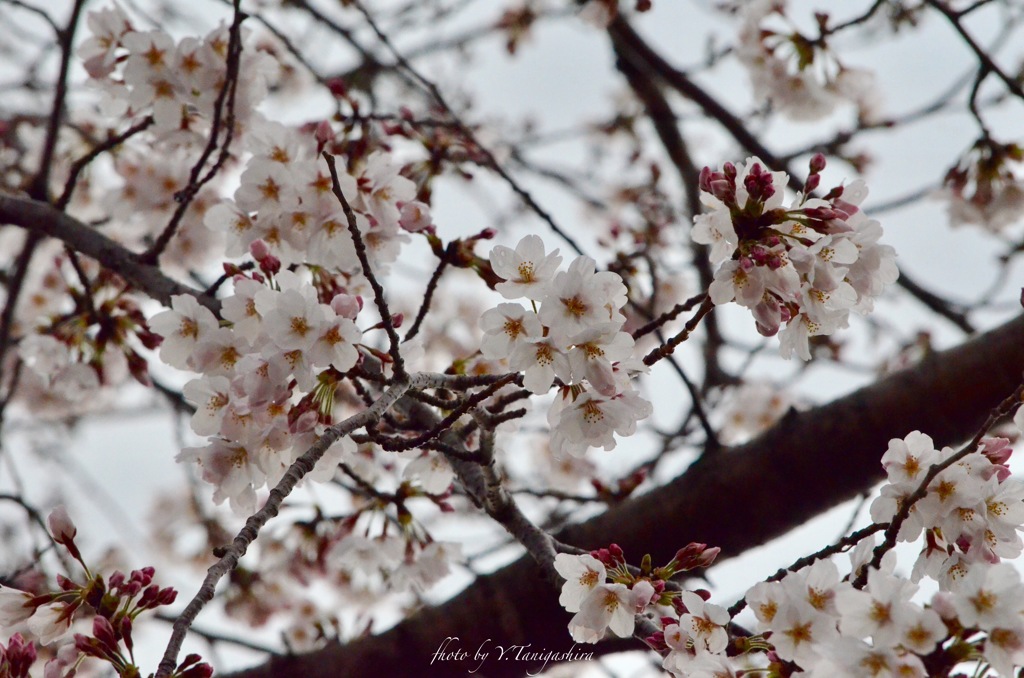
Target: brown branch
987,65
379,298
44,219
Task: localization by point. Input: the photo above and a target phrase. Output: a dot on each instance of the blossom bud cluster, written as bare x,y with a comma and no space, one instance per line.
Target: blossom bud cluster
73,362
806,266
986,187
572,332
113,602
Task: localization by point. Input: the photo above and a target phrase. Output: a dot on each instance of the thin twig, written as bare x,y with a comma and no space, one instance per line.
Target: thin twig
398,364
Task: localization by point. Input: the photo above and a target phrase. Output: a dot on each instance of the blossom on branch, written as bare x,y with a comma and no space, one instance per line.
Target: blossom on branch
806,266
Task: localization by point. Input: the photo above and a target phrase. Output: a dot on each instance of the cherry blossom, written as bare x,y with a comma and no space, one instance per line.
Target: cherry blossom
705,623
182,327
434,474
798,74
609,607
526,269
582,574
14,606
507,327
581,297
591,420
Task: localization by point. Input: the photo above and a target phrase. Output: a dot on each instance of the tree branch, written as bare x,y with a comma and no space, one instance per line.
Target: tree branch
42,218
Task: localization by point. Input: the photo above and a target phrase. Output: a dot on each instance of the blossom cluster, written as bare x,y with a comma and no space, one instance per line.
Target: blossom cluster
972,513
986,186
970,518
572,332
73,362
825,625
286,199
178,82
268,378
867,623
807,265
799,76
607,595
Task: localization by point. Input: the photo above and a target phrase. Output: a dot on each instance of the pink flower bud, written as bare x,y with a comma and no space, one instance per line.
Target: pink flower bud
695,555
126,631
259,250
415,216
19,656
145,574
324,133
63,530
270,265
346,305
61,527
817,163
337,87
103,631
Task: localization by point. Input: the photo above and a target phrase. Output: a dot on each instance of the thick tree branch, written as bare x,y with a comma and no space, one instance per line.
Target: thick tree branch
736,500
42,218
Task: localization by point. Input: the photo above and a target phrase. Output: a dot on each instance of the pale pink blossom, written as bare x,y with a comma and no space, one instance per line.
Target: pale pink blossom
98,52
799,632
210,396
608,607
581,297
591,420
705,623
231,469
14,607
50,623
541,360
336,345
990,597
432,471
594,351
526,270
582,574
182,328
507,327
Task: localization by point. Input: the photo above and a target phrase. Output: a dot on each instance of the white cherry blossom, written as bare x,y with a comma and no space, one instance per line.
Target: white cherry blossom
609,607
527,269
182,328
582,574
507,327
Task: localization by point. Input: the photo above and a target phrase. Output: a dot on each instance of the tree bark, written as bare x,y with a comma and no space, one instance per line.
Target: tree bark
735,499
